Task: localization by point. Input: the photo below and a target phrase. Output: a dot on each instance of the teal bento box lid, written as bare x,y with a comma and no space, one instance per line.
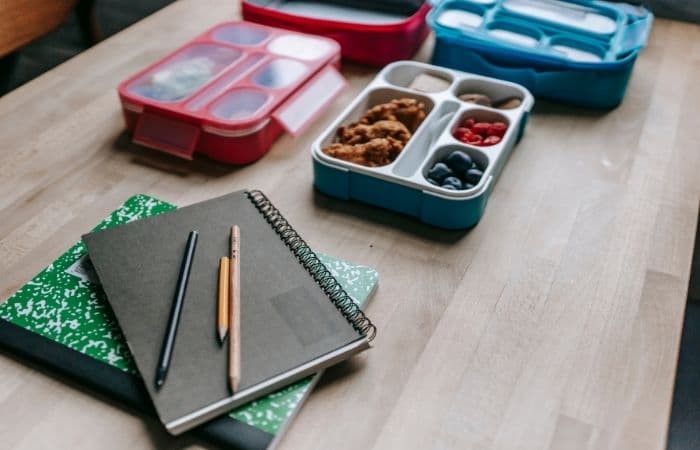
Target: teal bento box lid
579,51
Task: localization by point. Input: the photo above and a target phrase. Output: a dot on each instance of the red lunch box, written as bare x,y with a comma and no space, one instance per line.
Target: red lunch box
366,36
230,92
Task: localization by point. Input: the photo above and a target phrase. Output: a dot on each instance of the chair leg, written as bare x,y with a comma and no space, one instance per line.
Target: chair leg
87,21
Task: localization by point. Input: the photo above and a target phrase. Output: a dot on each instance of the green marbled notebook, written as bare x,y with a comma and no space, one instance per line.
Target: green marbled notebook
65,304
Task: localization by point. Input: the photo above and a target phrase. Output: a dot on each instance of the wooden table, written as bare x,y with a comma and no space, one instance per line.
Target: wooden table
554,323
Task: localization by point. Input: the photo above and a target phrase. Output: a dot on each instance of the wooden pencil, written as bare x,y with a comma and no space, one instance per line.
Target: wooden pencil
234,342
222,309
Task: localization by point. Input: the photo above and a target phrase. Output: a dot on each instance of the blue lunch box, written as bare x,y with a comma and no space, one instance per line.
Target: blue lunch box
578,52
403,185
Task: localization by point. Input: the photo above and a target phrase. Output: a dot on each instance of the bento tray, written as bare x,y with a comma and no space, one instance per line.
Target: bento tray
236,80
573,32
403,185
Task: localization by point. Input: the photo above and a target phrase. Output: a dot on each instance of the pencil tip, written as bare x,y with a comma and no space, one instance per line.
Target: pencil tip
222,334
234,383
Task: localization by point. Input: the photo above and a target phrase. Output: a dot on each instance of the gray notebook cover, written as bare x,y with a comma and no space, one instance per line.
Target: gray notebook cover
289,326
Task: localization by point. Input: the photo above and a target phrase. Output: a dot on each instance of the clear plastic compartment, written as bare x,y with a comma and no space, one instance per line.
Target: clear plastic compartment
576,50
224,82
585,33
300,47
184,73
240,104
569,14
467,17
241,34
515,33
280,73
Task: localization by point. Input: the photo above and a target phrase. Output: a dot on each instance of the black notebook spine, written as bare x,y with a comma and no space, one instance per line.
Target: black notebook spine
308,259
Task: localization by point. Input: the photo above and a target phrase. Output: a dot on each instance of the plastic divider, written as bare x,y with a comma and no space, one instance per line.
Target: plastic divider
422,143
225,81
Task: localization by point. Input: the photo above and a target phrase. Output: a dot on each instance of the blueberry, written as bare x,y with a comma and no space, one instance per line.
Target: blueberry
459,161
467,186
439,172
473,176
449,187
452,181
433,182
477,166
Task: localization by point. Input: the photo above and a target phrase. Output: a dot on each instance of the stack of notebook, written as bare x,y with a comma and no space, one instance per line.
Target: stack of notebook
296,308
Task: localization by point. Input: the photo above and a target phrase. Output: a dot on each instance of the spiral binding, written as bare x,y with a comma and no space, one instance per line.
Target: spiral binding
308,259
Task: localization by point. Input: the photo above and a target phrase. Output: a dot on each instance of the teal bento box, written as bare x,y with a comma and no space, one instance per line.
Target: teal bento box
403,185
580,52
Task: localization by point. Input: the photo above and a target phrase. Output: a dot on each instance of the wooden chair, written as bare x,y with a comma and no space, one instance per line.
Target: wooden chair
22,21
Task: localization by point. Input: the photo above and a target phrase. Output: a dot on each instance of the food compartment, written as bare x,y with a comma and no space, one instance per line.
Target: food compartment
462,15
581,17
456,168
240,34
514,33
226,80
240,104
577,50
484,92
280,73
183,73
378,128
480,128
418,78
301,47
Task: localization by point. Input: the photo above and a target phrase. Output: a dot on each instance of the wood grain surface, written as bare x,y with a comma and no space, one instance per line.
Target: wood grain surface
554,324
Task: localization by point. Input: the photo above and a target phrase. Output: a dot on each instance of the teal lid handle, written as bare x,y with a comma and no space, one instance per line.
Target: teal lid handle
635,35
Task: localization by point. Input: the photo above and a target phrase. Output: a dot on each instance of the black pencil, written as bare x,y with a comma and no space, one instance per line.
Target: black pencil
166,350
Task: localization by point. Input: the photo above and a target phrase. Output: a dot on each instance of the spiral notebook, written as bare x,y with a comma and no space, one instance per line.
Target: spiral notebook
295,317
60,320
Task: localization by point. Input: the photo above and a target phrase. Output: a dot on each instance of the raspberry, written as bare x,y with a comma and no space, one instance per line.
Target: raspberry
497,129
467,137
459,132
492,140
474,139
481,128
468,123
